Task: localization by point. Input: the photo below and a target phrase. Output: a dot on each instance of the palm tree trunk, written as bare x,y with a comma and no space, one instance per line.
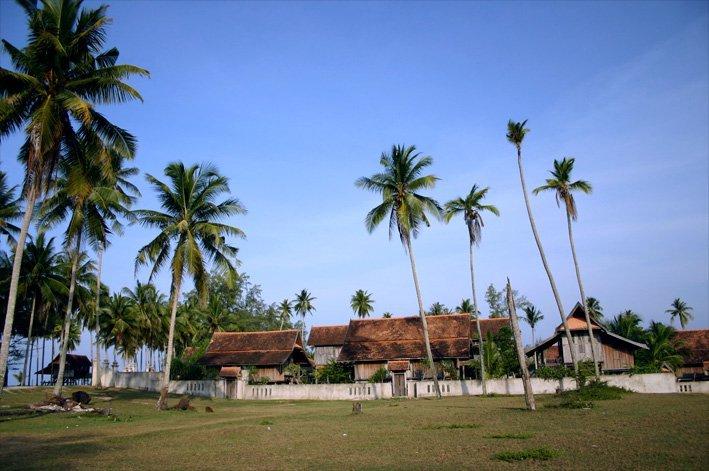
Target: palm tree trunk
534,344
477,321
95,374
422,314
176,283
14,282
567,332
28,360
583,297
526,380
67,319
43,346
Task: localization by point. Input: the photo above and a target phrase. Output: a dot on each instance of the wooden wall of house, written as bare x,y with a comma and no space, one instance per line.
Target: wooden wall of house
272,373
323,355
582,343
363,371
616,357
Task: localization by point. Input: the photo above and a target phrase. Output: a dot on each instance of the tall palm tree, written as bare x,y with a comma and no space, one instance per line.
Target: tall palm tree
532,316
285,309
399,185
438,309
362,303
9,210
594,308
466,307
191,235
59,78
564,188
516,132
120,323
471,207
303,304
680,310
147,303
627,324
41,280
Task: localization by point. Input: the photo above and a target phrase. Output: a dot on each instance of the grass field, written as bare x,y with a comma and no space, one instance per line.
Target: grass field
635,432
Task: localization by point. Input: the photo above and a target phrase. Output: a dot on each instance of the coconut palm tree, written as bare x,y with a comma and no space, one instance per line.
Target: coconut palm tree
471,207
148,304
438,309
41,280
466,307
662,347
516,132
399,185
680,310
627,324
191,235
386,315
362,303
59,78
303,304
285,310
594,308
564,188
9,210
532,316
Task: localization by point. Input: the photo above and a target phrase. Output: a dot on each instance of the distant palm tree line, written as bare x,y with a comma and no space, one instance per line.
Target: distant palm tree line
76,177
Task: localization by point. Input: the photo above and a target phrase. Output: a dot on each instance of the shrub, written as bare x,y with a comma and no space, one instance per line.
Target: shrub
554,372
334,373
187,369
449,369
538,454
379,376
598,390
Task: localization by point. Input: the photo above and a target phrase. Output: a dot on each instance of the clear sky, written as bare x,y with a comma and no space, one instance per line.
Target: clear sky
294,101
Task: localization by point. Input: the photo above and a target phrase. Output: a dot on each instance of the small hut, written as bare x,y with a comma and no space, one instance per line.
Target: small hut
693,345
77,370
265,354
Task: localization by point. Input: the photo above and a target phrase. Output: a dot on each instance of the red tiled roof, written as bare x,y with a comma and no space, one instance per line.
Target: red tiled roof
327,335
693,345
491,325
230,372
577,320
401,338
254,348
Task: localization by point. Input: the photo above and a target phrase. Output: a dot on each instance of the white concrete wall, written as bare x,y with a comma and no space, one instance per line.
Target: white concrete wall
152,382
471,387
657,383
325,392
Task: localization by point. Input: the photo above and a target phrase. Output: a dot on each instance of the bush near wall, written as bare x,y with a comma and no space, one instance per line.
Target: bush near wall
187,369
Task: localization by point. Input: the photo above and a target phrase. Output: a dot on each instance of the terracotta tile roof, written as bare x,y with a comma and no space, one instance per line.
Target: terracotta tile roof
491,325
230,372
398,365
254,348
401,338
693,345
327,335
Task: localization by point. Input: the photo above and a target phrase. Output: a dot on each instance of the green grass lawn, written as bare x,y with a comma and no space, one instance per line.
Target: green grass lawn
635,432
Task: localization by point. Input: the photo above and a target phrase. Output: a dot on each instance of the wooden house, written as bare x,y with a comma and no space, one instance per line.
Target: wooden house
693,345
397,345
77,369
326,342
615,353
265,354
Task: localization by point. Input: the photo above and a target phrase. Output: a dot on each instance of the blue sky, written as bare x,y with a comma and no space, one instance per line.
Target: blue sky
294,101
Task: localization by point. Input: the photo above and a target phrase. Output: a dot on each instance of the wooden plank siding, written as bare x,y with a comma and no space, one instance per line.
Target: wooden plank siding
616,357
364,371
323,355
272,373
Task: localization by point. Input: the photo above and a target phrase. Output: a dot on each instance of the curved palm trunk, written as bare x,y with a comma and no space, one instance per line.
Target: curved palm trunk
521,357
67,320
422,313
162,402
567,332
583,299
477,321
14,282
28,360
95,376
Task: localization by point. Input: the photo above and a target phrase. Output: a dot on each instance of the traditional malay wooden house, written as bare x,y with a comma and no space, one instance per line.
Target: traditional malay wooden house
397,344
693,345
615,353
77,370
265,354
326,342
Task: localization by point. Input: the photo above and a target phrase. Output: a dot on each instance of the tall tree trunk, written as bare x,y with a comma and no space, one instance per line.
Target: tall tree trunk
567,332
477,320
43,345
282,319
176,283
14,282
583,297
96,373
422,314
67,319
28,359
534,344
526,380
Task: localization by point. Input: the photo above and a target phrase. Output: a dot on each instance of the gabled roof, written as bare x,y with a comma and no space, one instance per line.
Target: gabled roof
327,335
491,325
72,360
577,320
401,338
254,348
693,345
